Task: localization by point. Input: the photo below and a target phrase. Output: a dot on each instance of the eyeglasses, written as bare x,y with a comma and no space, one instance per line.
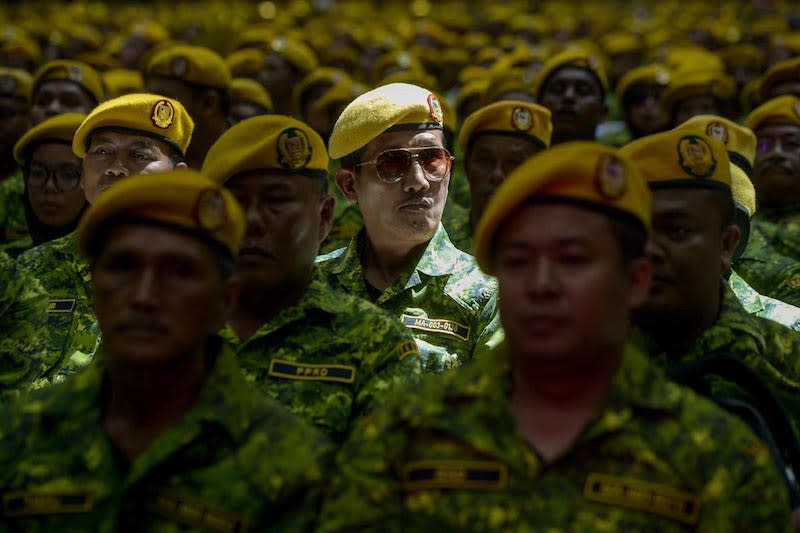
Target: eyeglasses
392,165
65,177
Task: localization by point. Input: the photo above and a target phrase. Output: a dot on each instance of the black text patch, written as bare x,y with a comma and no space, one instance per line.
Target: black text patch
46,502
437,325
450,474
61,306
642,496
304,371
196,514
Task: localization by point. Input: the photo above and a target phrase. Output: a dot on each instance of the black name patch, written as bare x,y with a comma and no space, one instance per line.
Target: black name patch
437,325
449,474
291,370
61,306
196,514
31,503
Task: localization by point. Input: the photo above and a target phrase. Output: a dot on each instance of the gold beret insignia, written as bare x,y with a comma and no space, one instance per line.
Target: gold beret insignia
521,119
696,157
611,177
163,114
294,149
210,210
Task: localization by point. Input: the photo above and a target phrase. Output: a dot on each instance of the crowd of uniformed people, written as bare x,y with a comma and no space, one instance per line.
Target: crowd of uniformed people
400,266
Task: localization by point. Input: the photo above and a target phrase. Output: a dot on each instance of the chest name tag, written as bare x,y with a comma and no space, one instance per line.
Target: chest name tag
437,325
649,497
46,502
288,370
196,514
61,306
447,474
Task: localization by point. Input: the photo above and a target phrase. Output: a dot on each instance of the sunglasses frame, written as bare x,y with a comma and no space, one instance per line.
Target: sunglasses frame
414,156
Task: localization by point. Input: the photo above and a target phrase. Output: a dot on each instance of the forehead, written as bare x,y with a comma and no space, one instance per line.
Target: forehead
50,87
404,139
154,240
572,74
681,201
500,143
254,180
122,138
48,151
777,130
535,224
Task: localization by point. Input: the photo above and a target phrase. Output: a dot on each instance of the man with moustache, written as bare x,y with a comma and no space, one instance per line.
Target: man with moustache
130,135
327,355
396,168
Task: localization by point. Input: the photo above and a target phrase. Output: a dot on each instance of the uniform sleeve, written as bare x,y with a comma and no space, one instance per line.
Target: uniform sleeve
392,359
491,331
23,328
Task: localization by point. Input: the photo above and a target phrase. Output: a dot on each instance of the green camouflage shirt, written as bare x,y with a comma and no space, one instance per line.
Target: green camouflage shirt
764,306
66,279
23,327
328,358
769,348
771,261
449,304
655,457
13,226
234,461
456,222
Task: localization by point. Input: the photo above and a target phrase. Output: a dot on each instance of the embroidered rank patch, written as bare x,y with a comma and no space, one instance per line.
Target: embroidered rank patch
30,503
290,370
61,306
196,514
405,349
450,474
436,325
642,496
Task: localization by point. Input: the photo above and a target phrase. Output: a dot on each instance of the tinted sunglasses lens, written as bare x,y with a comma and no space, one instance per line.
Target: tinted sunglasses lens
392,164
434,161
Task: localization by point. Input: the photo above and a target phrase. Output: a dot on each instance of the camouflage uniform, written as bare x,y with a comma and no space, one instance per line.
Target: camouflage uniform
456,221
66,279
771,349
23,327
764,306
234,459
449,457
14,235
449,304
329,357
771,261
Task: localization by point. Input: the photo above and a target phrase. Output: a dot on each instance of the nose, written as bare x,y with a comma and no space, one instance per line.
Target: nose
145,290
254,219
497,175
54,107
654,251
569,92
543,280
117,168
414,180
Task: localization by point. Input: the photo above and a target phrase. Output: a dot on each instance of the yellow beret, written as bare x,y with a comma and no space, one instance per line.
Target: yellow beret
245,63
397,105
742,189
653,74
151,114
742,54
249,90
620,42
192,64
267,142
121,81
786,70
780,110
100,61
738,140
339,94
583,172
570,58
508,81
321,76
508,117
74,71
15,83
698,82
183,199
296,52
149,31
60,128
413,76
22,46
678,158
470,90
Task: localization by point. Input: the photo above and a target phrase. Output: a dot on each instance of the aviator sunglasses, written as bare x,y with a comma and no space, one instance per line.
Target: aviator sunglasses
392,165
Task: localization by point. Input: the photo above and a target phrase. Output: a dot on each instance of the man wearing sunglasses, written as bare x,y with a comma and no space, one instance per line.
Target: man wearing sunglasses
125,136
396,169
